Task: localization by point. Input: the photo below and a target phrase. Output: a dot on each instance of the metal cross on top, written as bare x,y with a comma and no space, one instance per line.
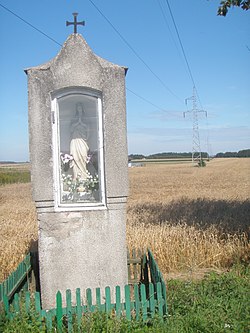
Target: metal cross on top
75,23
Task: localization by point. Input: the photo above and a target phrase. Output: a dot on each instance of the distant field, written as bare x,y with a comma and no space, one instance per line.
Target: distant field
194,219
162,160
14,173
222,179
15,166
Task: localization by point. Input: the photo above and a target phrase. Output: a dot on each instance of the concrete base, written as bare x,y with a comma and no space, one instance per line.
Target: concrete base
81,250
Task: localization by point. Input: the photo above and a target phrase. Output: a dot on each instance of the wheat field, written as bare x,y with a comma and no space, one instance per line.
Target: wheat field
192,218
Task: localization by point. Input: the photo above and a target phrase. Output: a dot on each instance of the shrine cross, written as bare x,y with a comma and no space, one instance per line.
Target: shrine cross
75,23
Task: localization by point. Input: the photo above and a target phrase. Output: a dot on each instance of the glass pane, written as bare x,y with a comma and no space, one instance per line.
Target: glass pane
79,151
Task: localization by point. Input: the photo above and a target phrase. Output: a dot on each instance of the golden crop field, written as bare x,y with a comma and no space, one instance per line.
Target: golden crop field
192,218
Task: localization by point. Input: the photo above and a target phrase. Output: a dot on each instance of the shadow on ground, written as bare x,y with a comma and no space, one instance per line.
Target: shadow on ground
229,216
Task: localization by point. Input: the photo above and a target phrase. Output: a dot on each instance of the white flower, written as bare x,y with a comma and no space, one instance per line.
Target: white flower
66,158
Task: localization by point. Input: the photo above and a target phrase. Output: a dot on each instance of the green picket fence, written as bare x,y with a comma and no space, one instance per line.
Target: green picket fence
137,305
143,297
19,279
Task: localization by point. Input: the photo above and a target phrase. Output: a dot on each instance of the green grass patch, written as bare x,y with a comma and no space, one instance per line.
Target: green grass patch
218,303
11,176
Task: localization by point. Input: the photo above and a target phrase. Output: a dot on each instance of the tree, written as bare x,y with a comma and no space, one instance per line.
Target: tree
224,5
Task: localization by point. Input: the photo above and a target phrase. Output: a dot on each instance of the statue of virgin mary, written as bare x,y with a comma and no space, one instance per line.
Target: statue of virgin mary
78,145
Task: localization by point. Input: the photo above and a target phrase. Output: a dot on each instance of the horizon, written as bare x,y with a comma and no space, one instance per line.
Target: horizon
170,152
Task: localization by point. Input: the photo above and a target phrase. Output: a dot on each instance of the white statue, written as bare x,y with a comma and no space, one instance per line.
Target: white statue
78,145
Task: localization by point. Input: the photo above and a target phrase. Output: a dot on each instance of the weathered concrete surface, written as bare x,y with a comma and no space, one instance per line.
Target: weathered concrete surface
85,248
81,250
77,66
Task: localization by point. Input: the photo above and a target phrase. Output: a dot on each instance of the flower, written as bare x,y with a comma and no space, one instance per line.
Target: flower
66,158
90,184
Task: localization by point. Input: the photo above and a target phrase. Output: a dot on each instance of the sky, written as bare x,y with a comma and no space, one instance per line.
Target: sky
166,55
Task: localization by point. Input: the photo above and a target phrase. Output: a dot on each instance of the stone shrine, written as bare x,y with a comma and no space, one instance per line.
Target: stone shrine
78,154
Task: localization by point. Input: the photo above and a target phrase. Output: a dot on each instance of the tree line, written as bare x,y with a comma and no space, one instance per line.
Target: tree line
204,155
240,153
164,155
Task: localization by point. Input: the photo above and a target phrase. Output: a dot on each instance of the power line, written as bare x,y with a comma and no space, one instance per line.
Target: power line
145,100
53,40
135,52
183,51
31,25
179,38
196,153
163,11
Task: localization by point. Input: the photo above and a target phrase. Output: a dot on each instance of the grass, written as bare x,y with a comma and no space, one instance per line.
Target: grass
218,303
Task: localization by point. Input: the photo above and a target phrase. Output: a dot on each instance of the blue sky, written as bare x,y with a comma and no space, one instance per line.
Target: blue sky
217,50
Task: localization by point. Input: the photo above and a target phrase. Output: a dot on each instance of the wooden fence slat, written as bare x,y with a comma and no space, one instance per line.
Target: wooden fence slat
137,302
144,270
10,283
6,305
143,302
59,312
48,321
135,275
5,288
152,299
69,310
148,298
89,299
15,280
107,300
127,302
27,302
98,299
129,266
159,299
78,309
164,294
37,302
16,303
118,301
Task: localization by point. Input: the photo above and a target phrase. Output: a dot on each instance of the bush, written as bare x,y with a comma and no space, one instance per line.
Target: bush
201,163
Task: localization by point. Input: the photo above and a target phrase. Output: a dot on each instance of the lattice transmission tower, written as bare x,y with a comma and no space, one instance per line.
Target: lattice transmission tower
196,151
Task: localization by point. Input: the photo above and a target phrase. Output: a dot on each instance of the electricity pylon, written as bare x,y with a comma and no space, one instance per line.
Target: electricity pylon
196,151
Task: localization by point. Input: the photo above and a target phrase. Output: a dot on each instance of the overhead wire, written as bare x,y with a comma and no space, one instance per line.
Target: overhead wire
53,40
135,52
187,64
146,100
181,45
183,50
31,25
163,11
